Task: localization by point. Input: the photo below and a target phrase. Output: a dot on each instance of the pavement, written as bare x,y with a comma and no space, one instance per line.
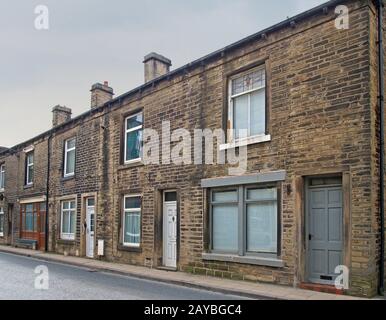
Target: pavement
181,279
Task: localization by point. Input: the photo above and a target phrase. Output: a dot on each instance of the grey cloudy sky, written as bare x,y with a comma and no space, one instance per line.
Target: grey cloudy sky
94,40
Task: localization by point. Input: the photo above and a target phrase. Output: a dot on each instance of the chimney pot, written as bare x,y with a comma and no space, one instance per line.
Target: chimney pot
100,94
156,66
60,114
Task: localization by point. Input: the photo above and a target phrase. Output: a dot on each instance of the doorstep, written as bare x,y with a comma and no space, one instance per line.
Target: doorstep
321,288
252,290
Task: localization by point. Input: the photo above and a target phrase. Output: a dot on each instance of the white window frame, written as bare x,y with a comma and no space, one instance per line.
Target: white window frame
249,139
28,180
137,128
66,151
136,210
2,216
67,236
2,177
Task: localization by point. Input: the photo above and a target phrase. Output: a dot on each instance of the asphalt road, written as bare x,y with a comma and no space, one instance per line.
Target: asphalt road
18,280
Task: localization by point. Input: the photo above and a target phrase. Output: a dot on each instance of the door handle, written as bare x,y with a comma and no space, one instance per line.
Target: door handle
310,237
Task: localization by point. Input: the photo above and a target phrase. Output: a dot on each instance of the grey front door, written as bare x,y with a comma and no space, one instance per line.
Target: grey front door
325,238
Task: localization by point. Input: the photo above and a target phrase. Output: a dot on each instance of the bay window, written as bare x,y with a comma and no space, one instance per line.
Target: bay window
133,138
132,221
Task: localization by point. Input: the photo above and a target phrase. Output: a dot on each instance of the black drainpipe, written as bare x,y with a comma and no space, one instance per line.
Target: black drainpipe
48,190
382,144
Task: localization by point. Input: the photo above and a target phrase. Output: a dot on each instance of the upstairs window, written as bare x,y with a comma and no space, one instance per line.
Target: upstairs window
29,168
69,157
133,138
2,177
247,103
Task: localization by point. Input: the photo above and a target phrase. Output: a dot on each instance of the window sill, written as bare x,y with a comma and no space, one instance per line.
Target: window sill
2,190
246,142
121,247
63,179
28,186
129,165
66,242
258,261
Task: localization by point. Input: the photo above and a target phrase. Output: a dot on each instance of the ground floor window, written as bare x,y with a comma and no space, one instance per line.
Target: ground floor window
244,220
1,222
132,221
68,220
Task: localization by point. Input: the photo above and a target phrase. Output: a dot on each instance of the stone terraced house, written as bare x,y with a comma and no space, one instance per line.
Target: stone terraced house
307,91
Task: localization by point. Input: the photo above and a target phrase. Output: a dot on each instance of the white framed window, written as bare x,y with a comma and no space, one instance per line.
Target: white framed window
69,157
68,220
247,104
29,168
244,220
2,177
132,220
133,138
1,222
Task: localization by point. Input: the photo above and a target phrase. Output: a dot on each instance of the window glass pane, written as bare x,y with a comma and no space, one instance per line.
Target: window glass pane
1,221
249,81
262,227
72,204
240,114
132,228
134,122
133,203
70,165
29,208
72,222
30,158
2,176
170,196
30,174
65,222
258,112
225,196
70,143
66,205
262,194
225,228
133,145
29,223
90,202
42,207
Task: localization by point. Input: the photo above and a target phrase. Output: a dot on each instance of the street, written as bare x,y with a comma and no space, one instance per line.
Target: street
65,282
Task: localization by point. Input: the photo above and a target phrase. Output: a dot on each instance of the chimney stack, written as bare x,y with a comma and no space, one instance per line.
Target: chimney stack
100,94
156,66
60,114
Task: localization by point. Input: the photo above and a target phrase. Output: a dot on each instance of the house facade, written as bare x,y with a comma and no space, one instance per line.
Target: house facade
305,95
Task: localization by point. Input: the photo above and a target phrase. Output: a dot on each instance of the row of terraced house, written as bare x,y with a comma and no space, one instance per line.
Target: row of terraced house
307,93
